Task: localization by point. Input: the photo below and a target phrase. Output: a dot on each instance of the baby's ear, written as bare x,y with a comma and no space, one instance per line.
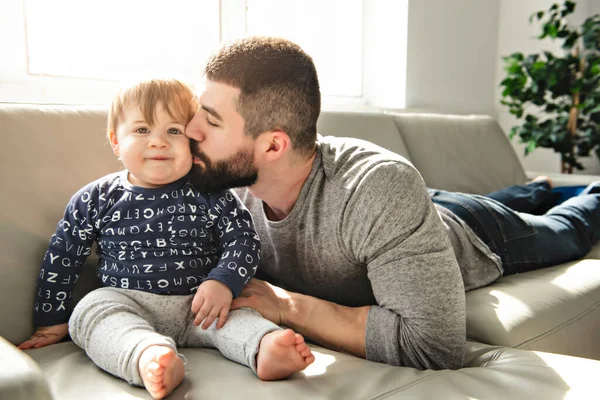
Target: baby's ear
114,143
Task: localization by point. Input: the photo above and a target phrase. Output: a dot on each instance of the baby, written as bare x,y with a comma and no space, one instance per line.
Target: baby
170,258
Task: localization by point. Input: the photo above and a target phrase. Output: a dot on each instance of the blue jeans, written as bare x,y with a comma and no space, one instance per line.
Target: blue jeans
533,198
523,241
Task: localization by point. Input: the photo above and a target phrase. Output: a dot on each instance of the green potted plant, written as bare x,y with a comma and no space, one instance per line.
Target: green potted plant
557,97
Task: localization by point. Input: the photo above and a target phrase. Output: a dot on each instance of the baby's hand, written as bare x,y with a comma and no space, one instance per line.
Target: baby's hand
211,301
45,335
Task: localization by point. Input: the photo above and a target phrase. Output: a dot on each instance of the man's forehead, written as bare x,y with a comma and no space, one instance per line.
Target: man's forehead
217,91
218,97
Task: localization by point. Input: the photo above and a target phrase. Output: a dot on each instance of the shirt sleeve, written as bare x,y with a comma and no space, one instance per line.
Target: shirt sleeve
69,247
390,225
237,239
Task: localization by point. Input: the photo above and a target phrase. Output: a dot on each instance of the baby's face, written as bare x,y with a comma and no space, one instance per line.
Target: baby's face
155,155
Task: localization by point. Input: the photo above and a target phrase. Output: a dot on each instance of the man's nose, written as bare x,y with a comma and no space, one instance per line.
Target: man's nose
193,131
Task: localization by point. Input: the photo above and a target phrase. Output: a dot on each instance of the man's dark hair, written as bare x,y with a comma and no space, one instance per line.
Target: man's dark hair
278,84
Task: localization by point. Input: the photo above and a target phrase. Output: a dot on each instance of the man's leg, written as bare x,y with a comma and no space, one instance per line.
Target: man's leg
592,188
535,197
525,242
112,326
565,233
249,339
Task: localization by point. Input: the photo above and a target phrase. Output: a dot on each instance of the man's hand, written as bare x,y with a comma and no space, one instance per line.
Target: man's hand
269,300
211,301
45,335
328,324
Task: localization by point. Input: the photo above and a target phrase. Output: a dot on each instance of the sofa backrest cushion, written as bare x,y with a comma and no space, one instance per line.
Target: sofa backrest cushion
50,152
378,128
468,154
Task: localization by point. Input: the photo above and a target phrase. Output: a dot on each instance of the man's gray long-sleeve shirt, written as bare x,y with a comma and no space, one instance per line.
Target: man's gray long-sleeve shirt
364,232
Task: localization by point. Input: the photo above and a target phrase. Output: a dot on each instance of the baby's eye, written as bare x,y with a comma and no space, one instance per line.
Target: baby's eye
174,131
142,130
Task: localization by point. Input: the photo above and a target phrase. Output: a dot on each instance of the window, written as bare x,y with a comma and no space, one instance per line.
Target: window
76,52
330,31
117,39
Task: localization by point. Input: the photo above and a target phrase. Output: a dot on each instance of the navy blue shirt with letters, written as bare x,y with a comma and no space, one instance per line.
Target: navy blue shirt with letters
165,241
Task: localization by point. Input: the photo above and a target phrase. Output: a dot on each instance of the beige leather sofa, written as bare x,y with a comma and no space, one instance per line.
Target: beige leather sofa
533,335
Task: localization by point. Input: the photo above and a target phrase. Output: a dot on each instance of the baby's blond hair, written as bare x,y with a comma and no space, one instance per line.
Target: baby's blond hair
178,99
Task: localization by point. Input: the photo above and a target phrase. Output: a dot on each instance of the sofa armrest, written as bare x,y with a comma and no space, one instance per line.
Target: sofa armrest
20,376
566,179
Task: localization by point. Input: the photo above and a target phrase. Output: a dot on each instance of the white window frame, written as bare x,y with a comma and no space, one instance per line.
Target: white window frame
384,54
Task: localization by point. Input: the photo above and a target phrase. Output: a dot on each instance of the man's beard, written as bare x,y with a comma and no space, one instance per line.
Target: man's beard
237,171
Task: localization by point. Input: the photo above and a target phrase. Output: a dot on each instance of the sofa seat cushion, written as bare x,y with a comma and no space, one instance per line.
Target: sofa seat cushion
20,377
595,253
553,309
491,373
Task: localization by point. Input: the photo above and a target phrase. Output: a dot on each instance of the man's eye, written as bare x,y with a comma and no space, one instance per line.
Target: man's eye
142,130
211,123
174,131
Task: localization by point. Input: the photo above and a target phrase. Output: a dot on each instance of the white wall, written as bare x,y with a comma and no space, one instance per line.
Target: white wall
384,71
454,59
593,7
451,56
516,35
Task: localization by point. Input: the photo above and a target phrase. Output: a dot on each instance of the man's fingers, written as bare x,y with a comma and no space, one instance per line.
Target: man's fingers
223,317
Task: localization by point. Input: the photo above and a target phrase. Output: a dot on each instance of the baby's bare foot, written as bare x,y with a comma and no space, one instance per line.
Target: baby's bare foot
161,370
282,353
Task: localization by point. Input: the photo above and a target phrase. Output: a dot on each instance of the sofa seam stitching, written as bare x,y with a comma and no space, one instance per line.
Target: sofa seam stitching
559,327
398,389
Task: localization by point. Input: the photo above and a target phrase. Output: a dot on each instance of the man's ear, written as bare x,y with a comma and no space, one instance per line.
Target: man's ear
275,144
114,143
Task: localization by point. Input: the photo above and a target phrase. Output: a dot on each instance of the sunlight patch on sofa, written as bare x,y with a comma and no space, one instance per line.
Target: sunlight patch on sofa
581,277
511,312
575,372
319,367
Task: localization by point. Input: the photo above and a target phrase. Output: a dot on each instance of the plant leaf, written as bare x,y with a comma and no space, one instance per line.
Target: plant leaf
531,145
569,7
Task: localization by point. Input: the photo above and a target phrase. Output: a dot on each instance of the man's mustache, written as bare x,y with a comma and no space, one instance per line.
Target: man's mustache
196,153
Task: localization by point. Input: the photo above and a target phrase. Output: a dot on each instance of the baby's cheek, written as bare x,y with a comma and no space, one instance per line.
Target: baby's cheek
188,160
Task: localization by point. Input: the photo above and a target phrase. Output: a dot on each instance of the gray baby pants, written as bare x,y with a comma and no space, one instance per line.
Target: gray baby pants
114,327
